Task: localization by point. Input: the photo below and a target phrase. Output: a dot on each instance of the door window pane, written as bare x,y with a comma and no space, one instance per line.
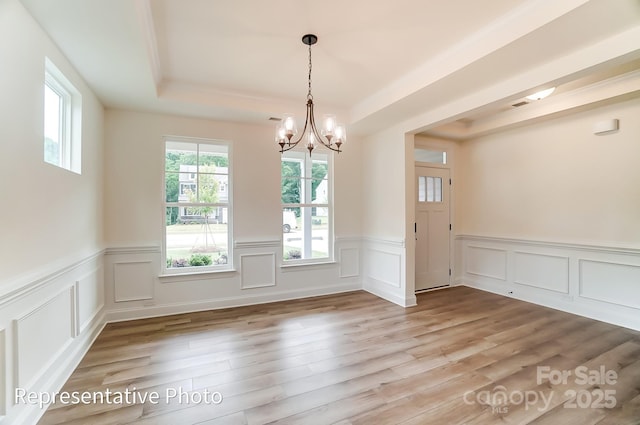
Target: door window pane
437,184
422,189
429,189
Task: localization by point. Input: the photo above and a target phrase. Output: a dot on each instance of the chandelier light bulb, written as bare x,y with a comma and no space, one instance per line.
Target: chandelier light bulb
340,135
329,126
311,141
281,136
289,124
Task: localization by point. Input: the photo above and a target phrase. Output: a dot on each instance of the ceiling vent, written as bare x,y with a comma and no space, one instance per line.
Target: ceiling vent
516,105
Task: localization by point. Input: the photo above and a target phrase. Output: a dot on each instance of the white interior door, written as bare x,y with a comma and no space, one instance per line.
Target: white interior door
432,227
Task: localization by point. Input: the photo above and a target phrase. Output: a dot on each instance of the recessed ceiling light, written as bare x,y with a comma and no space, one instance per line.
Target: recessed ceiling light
541,94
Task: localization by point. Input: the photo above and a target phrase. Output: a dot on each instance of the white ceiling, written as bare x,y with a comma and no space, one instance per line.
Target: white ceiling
423,63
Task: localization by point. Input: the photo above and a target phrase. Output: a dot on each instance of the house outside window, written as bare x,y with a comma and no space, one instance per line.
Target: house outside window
306,183
197,212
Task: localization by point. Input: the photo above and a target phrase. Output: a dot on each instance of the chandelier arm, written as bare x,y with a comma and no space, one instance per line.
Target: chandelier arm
288,148
321,139
292,145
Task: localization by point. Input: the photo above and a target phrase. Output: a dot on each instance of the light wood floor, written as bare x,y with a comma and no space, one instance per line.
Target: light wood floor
356,359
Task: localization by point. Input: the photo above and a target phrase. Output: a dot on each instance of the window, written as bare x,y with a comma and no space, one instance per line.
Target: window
431,156
429,189
197,209
306,207
62,120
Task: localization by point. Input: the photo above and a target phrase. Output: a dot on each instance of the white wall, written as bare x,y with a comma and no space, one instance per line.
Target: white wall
59,209
51,238
385,216
135,217
550,213
556,181
383,171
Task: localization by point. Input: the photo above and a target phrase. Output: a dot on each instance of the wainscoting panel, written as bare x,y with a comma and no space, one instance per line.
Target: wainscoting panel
349,262
487,262
385,267
599,282
615,283
257,270
542,271
133,281
39,340
385,271
90,298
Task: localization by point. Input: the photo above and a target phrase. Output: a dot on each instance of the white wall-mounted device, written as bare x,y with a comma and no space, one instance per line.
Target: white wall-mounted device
606,126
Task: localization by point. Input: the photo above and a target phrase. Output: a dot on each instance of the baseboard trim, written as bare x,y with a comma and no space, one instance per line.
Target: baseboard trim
614,317
379,291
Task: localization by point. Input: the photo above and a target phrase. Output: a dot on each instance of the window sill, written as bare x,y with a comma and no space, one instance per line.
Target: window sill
195,275
319,264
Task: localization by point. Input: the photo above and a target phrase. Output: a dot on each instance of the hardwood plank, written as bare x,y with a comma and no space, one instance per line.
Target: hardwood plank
629,414
336,410
422,401
316,398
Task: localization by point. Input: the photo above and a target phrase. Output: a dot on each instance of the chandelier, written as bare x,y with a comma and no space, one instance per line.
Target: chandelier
332,135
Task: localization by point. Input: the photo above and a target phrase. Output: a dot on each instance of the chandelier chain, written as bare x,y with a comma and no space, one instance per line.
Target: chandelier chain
309,95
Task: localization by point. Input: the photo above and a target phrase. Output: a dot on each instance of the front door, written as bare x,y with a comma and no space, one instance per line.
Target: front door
432,228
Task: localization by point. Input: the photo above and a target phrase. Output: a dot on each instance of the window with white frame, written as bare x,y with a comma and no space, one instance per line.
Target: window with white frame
433,156
306,187
62,120
197,208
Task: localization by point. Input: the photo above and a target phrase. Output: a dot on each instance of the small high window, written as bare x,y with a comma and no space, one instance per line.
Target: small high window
430,156
62,120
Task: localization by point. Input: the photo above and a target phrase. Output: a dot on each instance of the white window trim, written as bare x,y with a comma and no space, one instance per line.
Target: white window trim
70,154
167,273
330,244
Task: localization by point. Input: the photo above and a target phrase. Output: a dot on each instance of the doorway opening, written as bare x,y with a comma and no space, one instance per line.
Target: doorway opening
432,222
